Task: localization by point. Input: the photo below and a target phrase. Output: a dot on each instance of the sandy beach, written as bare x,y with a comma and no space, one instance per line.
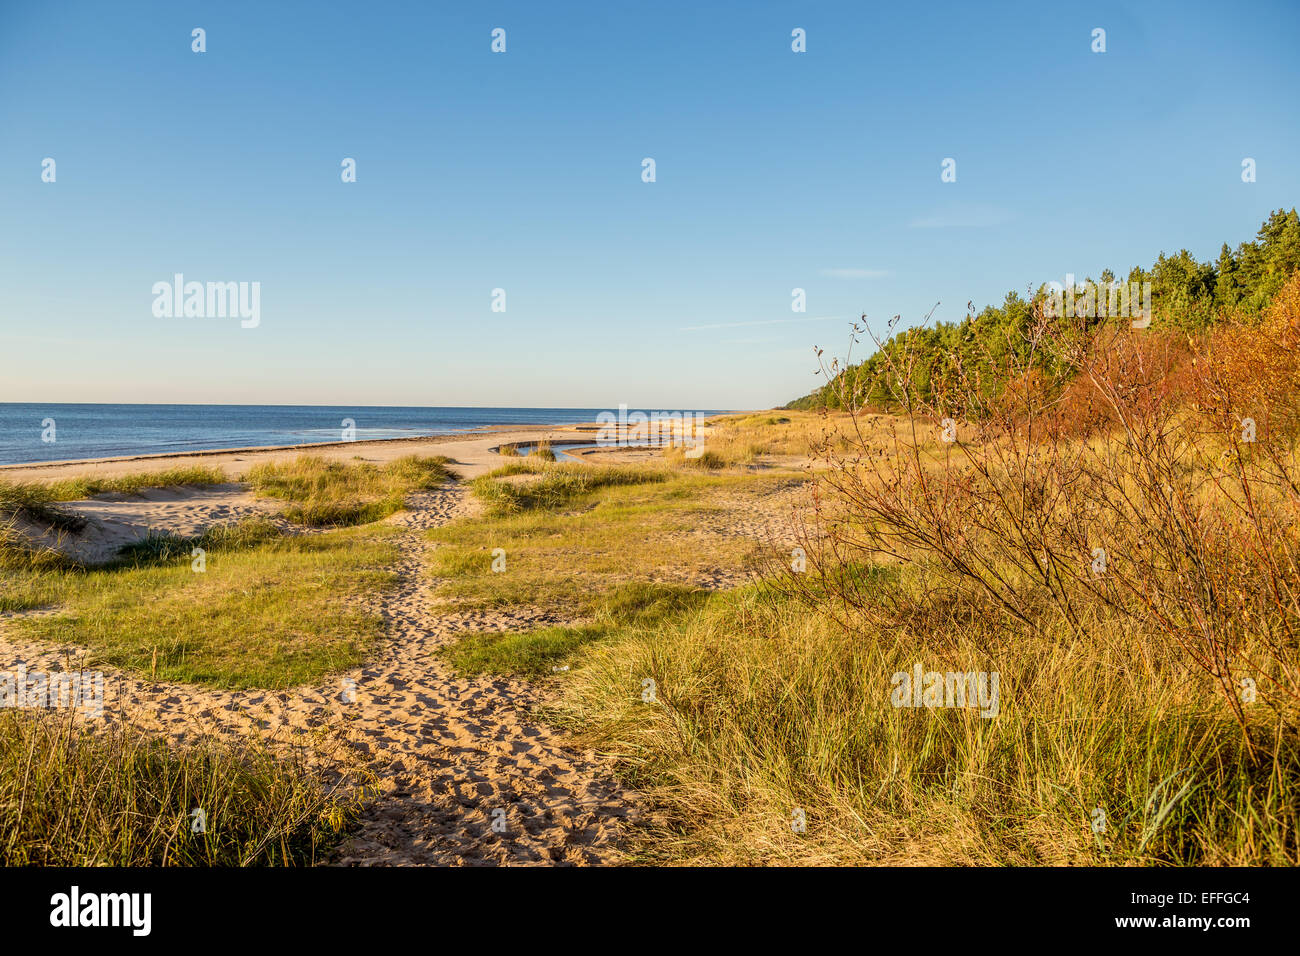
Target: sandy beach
115,520
455,758
471,453
434,435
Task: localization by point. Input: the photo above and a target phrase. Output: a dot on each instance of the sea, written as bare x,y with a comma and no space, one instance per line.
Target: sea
55,432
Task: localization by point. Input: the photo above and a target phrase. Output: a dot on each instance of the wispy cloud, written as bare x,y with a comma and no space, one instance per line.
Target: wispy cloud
745,325
855,273
963,216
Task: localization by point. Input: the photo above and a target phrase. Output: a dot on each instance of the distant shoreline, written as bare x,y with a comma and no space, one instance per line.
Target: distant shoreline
79,435
494,431
255,449
471,452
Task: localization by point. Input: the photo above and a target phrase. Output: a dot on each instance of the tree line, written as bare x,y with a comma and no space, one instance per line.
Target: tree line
1187,296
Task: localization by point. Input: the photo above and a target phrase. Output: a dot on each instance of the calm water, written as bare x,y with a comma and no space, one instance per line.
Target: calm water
561,451
107,431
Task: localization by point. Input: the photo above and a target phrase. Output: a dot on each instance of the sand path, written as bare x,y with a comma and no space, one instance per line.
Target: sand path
465,775
473,779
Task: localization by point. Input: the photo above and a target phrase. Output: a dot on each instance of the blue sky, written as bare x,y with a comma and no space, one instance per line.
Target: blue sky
522,171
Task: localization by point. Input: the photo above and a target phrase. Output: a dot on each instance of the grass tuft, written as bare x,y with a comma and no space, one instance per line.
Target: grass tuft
537,653
78,489
709,461
266,611
114,797
556,486
162,548
323,493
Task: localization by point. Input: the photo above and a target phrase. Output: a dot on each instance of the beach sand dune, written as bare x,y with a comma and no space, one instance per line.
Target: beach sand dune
465,774
114,521
117,520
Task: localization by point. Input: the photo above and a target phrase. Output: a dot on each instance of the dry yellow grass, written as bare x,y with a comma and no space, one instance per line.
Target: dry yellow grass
1116,741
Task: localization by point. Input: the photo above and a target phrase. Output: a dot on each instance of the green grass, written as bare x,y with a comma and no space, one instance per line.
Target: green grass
568,557
764,705
19,556
37,501
537,653
77,489
115,797
324,493
757,421
556,486
266,612
164,548
610,548
606,547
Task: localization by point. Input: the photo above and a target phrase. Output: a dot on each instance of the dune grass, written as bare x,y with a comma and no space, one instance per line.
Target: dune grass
604,548
707,460
77,489
324,493
31,495
760,439
34,503
740,712
575,534
163,548
18,555
556,486
265,611
116,797
239,606
763,709
539,652
37,502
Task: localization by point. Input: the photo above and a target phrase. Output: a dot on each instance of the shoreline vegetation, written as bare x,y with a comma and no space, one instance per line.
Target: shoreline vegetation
1193,302
1100,541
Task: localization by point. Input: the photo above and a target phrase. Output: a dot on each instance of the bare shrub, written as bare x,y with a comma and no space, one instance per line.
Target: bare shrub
1109,485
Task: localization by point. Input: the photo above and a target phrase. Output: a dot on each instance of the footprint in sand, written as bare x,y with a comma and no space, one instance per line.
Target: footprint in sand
447,751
